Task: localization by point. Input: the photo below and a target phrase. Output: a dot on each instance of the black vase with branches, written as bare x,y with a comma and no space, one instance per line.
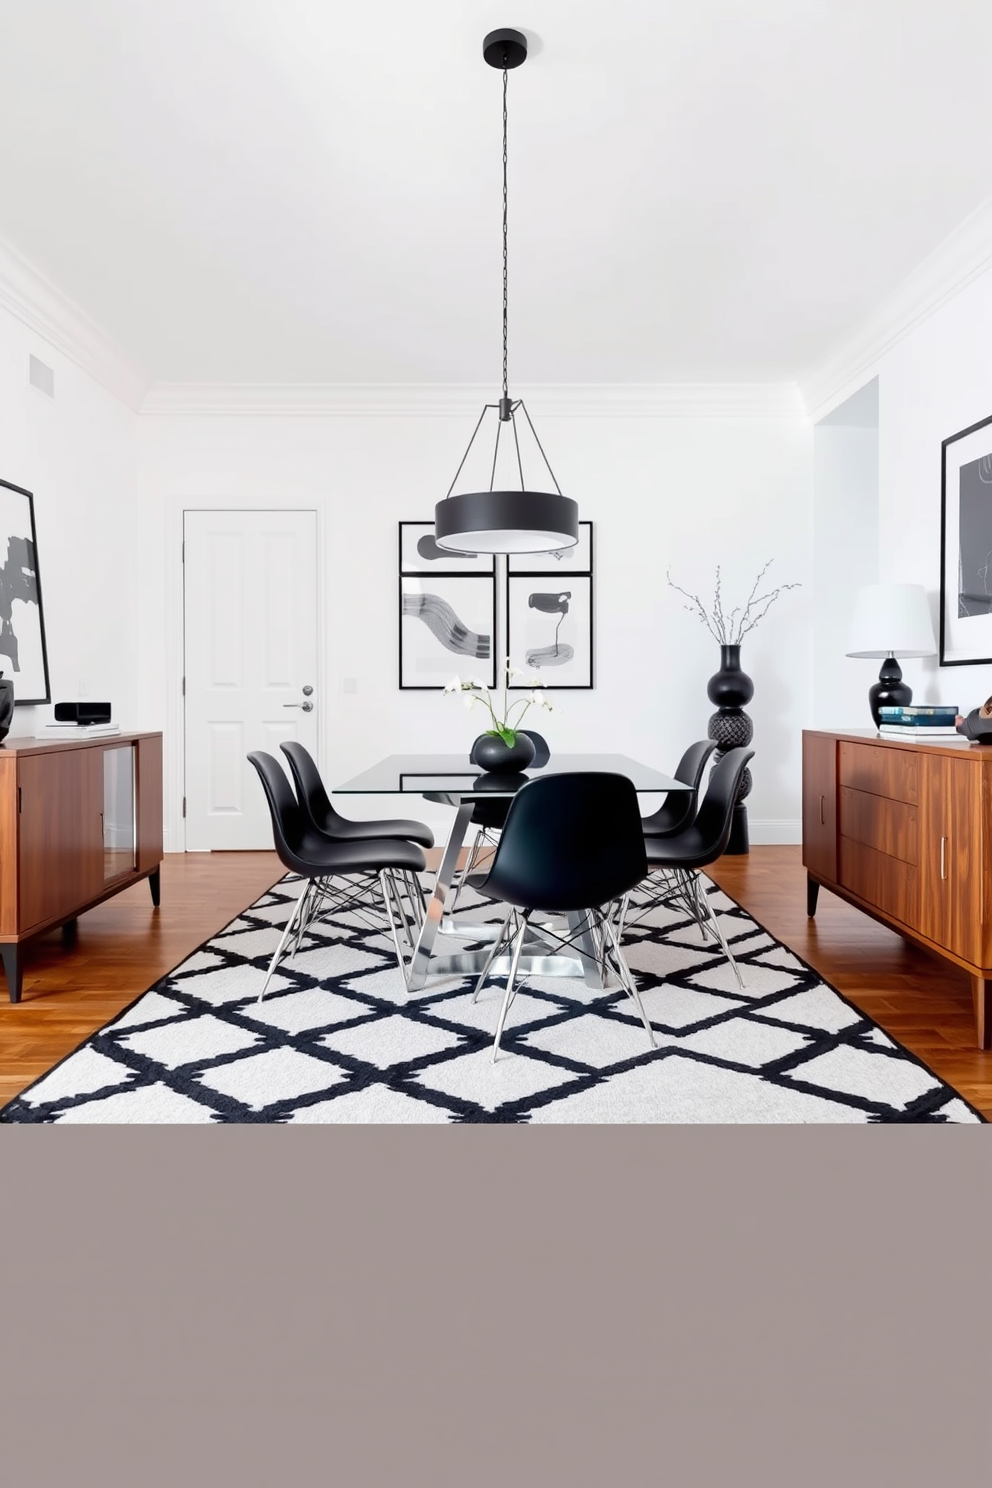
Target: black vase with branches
731,687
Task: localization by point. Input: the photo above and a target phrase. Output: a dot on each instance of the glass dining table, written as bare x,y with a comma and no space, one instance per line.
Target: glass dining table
449,779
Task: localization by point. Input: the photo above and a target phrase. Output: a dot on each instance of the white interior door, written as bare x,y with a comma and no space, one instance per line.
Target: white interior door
250,609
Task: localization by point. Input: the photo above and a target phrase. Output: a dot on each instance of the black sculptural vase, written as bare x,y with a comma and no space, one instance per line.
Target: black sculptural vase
6,705
730,688
489,752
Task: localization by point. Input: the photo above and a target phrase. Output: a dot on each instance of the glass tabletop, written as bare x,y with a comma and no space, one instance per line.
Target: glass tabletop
452,775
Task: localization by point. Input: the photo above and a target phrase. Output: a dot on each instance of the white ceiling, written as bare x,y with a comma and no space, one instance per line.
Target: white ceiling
297,190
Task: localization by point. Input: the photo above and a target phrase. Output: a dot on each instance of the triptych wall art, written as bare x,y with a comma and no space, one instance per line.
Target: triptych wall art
448,618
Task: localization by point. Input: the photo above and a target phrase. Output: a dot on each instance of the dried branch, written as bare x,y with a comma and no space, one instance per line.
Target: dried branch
731,629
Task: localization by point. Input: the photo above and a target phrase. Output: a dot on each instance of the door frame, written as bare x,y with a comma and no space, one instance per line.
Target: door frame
174,763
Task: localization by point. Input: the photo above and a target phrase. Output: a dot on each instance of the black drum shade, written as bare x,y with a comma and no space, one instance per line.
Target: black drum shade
506,522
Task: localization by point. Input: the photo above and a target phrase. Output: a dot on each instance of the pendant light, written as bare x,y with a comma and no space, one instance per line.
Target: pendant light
516,521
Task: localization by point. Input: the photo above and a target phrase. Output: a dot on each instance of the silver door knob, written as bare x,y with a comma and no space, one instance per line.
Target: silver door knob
307,707
308,691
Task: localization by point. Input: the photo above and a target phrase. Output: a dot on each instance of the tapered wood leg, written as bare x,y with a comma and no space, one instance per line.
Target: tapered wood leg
155,884
70,929
981,991
812,894
13,967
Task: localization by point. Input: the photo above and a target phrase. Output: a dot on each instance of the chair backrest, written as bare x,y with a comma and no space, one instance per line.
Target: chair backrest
715,817
288,821
571,841
542,752
692,764
312,796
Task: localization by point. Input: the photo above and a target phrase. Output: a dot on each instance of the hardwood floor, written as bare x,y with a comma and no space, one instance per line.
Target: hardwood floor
72,987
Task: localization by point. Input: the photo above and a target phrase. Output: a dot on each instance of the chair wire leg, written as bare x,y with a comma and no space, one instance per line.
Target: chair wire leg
493,952
299,909
703,899
508,995
629,985
386,887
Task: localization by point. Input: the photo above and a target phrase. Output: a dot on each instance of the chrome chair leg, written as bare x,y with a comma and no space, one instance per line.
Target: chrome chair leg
386,889
706,908
508,995
494,949
299,909
629,985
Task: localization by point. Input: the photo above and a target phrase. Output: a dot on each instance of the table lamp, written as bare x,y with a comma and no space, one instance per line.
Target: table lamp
890,620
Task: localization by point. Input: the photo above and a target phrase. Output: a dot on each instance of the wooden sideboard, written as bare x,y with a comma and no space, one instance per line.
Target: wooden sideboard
79,821
903,830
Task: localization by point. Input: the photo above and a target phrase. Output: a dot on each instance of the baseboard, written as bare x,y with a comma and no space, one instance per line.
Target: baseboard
774,833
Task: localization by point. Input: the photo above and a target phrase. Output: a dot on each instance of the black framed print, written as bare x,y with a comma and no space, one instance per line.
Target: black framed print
576,559
420,554
549,629
966,547
23,656
447,629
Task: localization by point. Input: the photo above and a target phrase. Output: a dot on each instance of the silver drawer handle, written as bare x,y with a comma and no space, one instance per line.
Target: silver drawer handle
943,857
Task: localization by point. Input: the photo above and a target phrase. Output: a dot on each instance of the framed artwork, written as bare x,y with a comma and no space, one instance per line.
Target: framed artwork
23,657
447,628
420,554
577,559
549,628
966,547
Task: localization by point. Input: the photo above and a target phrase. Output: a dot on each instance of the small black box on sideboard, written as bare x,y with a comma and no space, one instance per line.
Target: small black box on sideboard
82,712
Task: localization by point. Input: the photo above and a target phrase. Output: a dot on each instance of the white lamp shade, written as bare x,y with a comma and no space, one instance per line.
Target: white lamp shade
891,620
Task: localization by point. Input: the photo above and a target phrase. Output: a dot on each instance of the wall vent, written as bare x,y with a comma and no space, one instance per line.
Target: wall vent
42,377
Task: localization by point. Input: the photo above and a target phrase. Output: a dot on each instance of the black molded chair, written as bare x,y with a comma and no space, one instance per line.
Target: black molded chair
336,874
489,817
313,798
680,807
679,859
571,844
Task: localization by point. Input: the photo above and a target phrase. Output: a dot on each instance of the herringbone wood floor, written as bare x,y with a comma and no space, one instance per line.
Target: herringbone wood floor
73,987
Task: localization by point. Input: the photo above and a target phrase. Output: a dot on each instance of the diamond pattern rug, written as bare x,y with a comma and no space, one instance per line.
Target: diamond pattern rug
338,1039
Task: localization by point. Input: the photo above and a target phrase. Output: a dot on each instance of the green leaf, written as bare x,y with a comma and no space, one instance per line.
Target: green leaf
509,736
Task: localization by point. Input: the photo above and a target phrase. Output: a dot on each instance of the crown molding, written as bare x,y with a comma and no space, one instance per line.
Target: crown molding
959,259
45,310
442,400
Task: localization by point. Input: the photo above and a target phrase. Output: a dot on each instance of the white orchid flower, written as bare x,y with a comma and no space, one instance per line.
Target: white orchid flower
536,681
455,685
479,684
470,699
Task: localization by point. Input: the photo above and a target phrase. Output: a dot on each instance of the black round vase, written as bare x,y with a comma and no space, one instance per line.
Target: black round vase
730,688
6,705
489,752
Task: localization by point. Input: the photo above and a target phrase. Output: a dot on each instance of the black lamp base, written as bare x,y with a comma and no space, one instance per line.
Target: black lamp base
890,691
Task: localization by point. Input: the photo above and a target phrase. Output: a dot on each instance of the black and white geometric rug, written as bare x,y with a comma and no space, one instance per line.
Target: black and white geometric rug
338,1039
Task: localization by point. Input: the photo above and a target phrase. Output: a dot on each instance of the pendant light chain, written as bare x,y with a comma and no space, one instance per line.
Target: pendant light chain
505,270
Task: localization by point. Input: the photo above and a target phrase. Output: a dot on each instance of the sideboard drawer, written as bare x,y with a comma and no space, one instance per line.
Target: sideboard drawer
894,773
888,883
891,827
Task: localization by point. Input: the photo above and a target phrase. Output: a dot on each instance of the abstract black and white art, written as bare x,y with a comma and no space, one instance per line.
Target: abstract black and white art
447,628
420,554
549,629
577,559
966,547
23,657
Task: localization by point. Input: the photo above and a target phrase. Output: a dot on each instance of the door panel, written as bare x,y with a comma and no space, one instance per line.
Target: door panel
61,833
820,806
250,608
950,855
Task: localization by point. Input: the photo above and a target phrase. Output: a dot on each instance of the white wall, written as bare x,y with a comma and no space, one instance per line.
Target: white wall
936,381
76,453
685,492
845,555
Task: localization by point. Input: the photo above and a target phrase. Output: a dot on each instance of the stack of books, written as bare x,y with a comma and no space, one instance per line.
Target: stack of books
919,723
